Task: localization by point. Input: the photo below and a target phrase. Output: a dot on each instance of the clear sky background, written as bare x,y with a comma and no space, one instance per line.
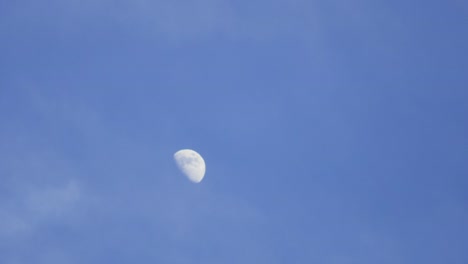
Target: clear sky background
334,132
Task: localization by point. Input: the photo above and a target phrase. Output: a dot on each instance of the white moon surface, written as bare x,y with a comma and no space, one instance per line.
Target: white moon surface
191,164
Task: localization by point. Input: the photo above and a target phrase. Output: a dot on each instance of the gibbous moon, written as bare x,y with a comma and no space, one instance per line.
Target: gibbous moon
191,164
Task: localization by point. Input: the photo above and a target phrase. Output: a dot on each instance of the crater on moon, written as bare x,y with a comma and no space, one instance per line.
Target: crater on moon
191,164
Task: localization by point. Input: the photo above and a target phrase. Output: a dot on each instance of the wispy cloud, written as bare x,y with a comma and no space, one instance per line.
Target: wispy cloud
28,211
127,192
39,184
53,202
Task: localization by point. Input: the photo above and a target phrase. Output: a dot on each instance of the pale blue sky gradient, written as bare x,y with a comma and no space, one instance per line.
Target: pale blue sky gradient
334,132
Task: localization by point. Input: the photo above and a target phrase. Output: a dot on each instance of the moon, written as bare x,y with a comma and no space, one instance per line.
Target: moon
191,164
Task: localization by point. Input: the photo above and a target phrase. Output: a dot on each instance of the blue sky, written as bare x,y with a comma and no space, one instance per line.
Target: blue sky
333,132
